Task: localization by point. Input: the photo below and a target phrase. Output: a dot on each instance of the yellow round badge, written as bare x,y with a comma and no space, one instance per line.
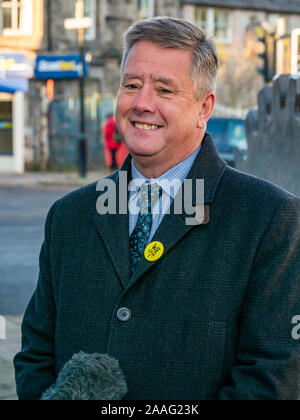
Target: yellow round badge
154,251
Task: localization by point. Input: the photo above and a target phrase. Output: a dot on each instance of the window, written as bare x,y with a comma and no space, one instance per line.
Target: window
146,9
221,20
215,22
201,17
16,17
90,11
272,20
6,141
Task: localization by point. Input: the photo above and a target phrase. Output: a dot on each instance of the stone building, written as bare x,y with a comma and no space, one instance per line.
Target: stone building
236,25
36,30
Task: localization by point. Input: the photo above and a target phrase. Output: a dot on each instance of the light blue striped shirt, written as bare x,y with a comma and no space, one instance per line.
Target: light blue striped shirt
175,175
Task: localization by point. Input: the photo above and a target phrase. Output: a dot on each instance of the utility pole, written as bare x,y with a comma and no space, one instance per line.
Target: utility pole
81,23
273,50
268,55
82,142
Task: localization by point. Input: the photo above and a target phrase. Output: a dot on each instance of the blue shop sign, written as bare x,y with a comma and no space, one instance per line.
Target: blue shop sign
59,67
15,66
14,85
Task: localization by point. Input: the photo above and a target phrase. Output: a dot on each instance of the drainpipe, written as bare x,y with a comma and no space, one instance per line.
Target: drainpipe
49,25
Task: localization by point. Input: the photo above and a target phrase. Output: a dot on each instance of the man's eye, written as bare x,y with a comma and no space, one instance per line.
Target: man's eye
164,91
131,86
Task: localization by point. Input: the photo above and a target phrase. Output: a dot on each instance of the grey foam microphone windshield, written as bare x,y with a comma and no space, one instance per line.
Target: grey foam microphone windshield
88,377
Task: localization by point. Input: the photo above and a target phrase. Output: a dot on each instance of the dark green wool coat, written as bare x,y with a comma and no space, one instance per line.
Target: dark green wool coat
211,319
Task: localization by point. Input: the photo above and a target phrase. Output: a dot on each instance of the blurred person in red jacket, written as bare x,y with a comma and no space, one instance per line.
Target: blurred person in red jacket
113,140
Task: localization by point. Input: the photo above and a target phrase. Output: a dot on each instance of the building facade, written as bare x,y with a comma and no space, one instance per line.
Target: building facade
39,112
21,33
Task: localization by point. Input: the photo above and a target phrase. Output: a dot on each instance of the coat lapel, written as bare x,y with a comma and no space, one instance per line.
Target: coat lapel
114,229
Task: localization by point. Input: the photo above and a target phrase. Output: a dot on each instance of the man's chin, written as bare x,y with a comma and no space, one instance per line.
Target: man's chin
142,152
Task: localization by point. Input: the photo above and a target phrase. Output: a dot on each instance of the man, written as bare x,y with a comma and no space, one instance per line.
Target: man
111,141
191,311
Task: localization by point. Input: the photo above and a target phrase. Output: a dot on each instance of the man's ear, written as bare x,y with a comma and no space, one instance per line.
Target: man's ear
207,104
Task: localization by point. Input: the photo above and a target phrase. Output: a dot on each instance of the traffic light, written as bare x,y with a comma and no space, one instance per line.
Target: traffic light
264,69
268,67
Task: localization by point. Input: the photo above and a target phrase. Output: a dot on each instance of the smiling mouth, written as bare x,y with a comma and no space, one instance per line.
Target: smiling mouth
143,126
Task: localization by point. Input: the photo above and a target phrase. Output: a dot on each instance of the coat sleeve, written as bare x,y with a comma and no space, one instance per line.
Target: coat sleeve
34,364
268,353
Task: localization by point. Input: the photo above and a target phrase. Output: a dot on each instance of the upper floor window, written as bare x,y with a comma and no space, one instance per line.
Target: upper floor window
16,17
146,9
201,14
90,11
222,30
215,22
273,20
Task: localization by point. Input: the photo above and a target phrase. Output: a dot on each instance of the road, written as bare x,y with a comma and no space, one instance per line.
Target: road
22,216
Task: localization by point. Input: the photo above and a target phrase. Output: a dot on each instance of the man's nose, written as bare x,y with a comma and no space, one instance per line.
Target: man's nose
144,101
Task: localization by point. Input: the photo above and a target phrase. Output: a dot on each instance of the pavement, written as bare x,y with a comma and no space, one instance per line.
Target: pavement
8,348
10,339
50,179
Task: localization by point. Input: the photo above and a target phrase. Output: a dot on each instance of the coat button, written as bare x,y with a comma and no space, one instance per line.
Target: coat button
123,314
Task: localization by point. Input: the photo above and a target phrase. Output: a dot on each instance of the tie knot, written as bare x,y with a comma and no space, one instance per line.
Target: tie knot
150,193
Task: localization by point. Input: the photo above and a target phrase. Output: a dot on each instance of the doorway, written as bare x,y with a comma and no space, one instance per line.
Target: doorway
6,132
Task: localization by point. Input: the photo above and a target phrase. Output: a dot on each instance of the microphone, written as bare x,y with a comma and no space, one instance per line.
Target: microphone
88,377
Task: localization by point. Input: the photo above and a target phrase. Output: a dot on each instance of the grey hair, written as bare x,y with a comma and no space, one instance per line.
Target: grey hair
169,32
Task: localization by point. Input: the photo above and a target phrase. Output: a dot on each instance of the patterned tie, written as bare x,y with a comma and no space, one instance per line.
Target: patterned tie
141,233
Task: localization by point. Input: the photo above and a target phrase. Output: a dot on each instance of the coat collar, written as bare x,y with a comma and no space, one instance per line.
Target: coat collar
114,228
208,166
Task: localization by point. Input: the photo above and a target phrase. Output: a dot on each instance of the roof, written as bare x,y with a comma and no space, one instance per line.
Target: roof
273,6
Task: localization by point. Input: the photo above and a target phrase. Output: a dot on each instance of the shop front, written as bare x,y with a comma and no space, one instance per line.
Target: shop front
14,73
61,73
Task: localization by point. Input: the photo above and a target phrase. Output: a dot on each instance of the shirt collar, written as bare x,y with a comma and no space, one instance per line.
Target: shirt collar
175,175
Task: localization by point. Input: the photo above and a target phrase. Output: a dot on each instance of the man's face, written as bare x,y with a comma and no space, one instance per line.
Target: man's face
158,114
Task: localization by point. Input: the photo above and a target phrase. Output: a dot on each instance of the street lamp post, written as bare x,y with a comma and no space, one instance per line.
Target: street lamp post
82,142
81,23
